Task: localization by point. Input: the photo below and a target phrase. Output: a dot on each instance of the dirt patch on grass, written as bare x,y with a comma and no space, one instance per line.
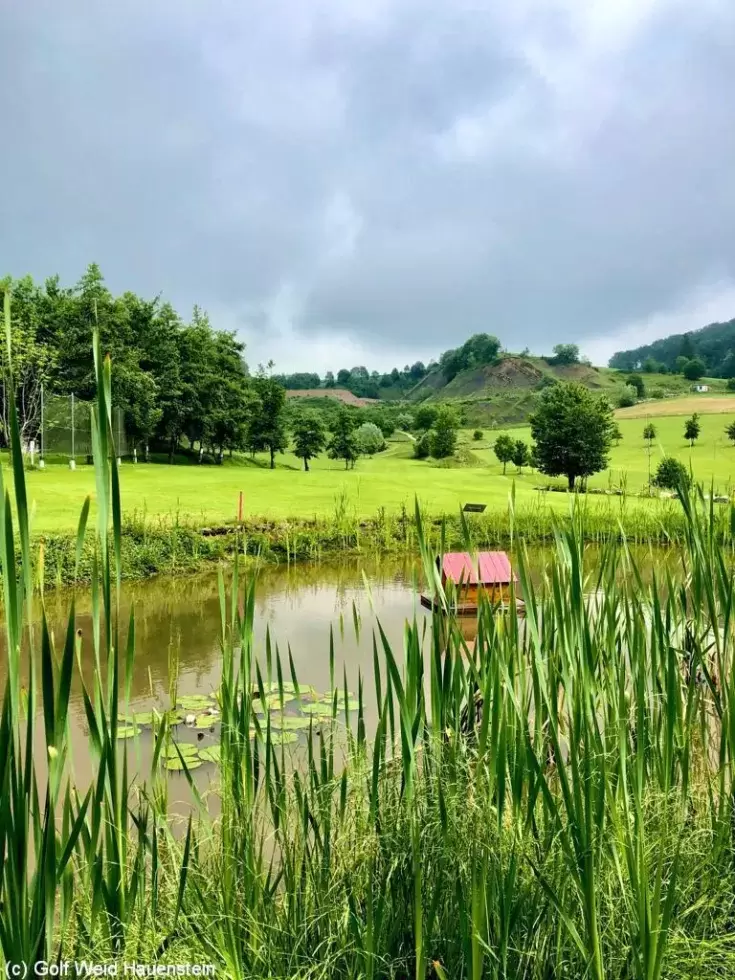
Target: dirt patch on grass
339,394
704,404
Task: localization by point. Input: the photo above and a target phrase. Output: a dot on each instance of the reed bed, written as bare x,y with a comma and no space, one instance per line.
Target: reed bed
176,546
557,800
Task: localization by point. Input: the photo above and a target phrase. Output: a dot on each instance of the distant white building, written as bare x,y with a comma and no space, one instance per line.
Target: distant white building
700,388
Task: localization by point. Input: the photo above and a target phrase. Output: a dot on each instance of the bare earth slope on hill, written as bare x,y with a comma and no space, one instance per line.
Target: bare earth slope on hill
507,392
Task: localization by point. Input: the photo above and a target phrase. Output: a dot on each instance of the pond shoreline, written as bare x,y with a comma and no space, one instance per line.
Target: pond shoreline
150,548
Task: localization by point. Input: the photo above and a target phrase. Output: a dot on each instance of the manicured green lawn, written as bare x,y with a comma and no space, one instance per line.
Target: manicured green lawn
210,493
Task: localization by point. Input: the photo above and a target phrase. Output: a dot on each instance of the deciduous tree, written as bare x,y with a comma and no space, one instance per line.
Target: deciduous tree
309,436
572,430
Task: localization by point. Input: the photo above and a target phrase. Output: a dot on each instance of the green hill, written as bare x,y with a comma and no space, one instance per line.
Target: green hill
506,392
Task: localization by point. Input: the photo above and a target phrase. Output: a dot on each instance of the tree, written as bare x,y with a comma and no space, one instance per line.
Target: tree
572,430
671,474
616,433
329,379
477,435
405,421
566,354
422,447
694,369
691,429
343,376
637,382
627,397
343,444
680,364
521,454
426,417
444,436
309,436
370,439
651,366
731,384
649,432
33,362
503,449
730,431
267,426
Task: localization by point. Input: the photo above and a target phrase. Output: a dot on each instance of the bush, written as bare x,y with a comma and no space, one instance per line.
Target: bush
671,474
627,397
444,435
422,447
405,421
369,438
658,393
425,417
694,369
636,381
731,384
477,435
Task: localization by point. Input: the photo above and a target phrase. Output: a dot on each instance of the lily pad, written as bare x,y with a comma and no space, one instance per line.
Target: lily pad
290,688
205,721
318,708
290,723
284,738
352,703
210,754
274,700
194,702
127,731
176,765
186,749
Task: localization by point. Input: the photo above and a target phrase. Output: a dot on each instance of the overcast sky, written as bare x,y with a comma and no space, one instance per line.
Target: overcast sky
371,181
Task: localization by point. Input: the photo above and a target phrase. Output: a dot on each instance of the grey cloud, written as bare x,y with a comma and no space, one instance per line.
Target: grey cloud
405,172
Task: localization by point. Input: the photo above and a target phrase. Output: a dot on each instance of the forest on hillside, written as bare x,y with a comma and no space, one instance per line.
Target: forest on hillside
713,346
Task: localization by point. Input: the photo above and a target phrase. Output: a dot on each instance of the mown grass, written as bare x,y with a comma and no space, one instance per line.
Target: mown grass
556,801
209,494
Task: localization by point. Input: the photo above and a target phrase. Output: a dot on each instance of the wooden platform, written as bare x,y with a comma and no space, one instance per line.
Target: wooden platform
470,608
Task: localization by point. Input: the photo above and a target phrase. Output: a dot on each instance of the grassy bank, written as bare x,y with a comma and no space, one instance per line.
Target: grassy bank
154,547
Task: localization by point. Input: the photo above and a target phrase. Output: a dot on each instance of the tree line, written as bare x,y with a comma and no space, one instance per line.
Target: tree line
709,351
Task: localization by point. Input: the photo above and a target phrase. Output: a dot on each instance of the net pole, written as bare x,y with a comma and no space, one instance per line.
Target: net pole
72,461
41,421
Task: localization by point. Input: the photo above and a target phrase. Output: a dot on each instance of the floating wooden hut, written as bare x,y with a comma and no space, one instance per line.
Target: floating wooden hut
489,573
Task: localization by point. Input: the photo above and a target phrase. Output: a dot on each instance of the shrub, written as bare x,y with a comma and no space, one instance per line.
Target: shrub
636,381
477,435
369,439
694,369
444,436
627,397
671,474
731,384
422,447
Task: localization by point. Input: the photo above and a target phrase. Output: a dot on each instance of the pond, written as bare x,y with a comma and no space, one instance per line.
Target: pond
177,638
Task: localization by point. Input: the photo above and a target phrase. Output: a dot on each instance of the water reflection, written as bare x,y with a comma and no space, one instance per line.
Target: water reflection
177,623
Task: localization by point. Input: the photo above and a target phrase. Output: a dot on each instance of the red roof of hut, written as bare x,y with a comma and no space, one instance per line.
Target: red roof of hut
494,568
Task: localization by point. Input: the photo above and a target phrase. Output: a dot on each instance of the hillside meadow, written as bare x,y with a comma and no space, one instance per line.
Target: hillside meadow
389,480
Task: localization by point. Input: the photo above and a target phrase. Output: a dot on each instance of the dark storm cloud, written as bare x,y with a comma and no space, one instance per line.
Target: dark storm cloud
381,176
